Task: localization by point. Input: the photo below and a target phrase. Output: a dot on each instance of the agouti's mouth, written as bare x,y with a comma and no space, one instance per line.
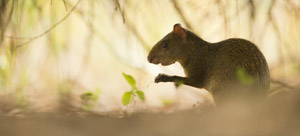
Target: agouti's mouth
156,60
166,63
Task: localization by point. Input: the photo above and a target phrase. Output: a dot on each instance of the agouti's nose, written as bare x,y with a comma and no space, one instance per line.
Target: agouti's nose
150,59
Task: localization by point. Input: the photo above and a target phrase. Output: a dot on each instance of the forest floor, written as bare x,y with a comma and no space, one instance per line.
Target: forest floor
279,115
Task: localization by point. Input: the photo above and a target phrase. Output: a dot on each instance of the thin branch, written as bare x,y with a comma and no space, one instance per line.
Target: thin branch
133,29
252,17
48,30
18,37
237,13
276,30
77,10
89,39
122,11
180,12
252,9
270,18
222,11
282,87
65,5
4,24
282,84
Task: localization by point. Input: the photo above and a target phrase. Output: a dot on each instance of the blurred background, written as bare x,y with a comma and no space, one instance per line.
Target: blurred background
55,51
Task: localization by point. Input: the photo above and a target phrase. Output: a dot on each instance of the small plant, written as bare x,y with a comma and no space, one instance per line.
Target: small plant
128,96
89,98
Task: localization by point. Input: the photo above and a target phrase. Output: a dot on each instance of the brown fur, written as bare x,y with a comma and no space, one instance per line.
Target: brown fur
213,66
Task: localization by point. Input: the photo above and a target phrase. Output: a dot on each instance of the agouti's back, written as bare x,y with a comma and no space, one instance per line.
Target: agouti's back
230,69
239,68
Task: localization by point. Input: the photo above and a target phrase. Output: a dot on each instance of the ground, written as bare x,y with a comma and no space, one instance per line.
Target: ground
278,115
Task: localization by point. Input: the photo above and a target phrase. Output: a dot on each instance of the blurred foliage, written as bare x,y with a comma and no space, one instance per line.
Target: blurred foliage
7,59
89,98
21,90
61,48
167,102
44,44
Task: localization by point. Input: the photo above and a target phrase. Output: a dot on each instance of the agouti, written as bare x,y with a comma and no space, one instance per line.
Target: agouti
230,69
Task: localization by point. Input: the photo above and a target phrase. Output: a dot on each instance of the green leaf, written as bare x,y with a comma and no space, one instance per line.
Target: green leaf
141,95
127,97
86,96
167,102
90,96
130,80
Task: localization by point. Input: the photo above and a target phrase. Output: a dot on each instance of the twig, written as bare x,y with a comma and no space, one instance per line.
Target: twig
276,30
283,87
18,37
183,17
237,13
65,5
252,9
222,11
122,11
252,17
133,29
282,84
52,27
5,24
77,10
270,18
89,40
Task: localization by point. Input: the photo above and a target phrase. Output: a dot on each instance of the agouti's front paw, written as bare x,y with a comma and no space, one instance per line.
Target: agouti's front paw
161,78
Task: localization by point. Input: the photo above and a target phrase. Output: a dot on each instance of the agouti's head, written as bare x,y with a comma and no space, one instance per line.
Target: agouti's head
167,51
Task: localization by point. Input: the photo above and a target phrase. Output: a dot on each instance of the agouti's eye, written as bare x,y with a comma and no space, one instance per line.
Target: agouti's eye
165,45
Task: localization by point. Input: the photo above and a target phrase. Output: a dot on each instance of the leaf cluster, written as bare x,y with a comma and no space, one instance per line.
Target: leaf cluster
128,96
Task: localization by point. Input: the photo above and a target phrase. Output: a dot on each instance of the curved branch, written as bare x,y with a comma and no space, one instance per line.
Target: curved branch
48,30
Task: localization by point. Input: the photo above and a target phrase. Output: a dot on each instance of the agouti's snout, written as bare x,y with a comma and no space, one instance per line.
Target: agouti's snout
149,59
153,60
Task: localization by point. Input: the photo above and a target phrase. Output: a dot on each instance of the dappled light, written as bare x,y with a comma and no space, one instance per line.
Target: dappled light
88,62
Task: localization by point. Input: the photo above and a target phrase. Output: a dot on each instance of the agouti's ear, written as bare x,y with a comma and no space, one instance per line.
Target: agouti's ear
178,30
